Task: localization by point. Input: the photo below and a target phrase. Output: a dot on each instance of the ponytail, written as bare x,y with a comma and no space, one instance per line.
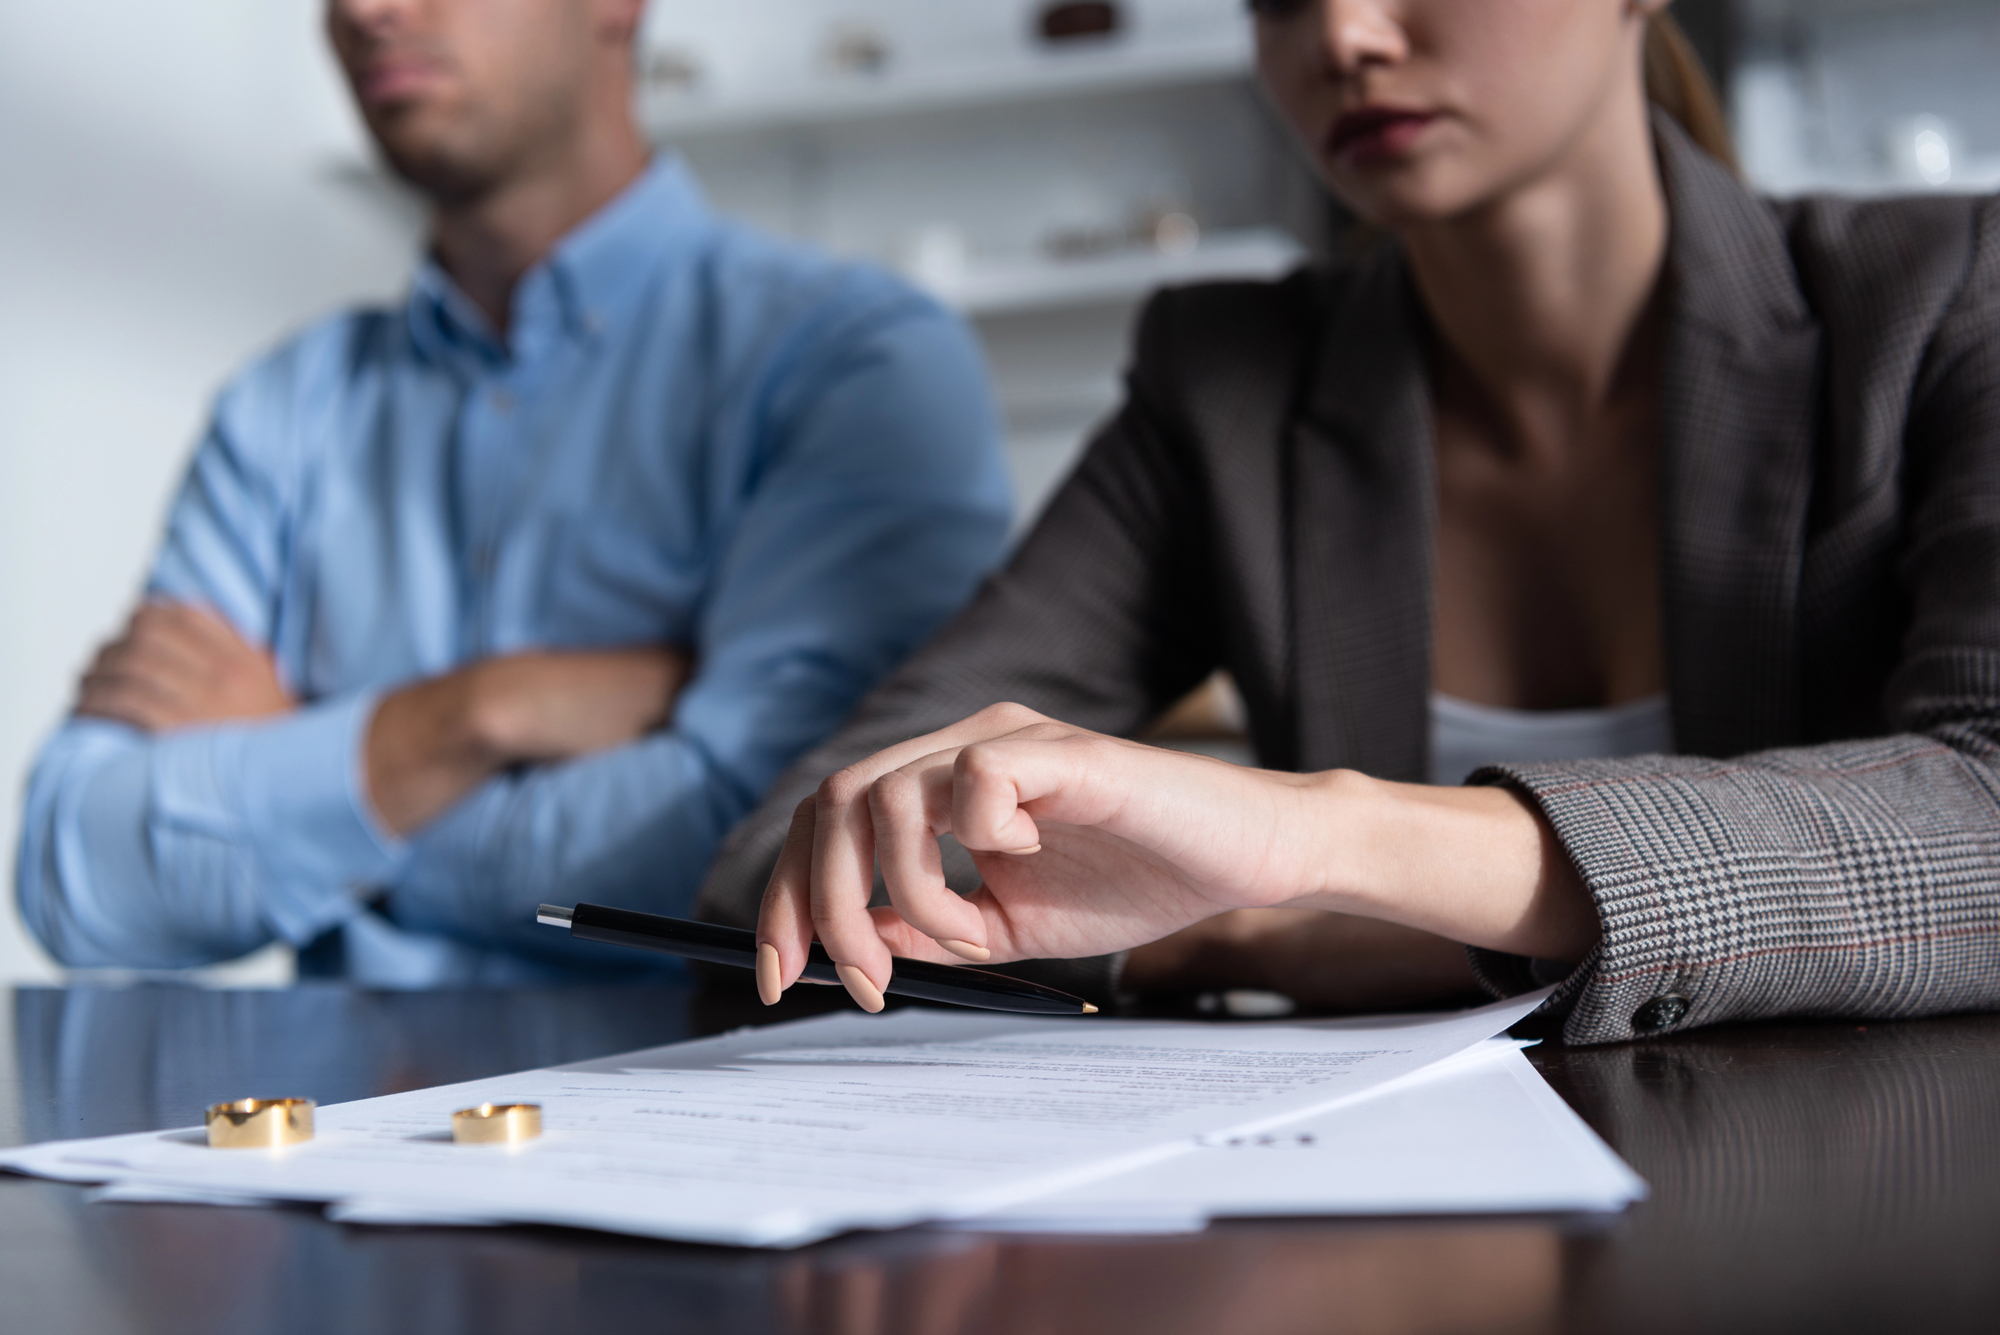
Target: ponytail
1677,85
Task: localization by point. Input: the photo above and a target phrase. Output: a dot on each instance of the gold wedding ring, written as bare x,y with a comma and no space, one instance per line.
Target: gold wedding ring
497,1124
260,1124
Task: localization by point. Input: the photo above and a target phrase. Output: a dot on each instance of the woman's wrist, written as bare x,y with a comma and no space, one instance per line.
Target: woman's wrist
1477,865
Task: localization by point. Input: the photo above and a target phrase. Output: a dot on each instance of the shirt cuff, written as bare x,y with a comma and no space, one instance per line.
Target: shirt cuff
291,790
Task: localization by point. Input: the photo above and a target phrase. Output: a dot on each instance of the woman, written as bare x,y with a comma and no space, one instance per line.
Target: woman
1597,432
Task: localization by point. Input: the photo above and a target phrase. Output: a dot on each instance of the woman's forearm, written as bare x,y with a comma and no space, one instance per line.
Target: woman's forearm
1477,865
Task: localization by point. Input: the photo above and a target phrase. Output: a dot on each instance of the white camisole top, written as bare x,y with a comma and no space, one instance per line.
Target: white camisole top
1465,736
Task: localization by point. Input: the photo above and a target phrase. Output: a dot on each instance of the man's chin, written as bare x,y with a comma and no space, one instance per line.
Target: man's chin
445,173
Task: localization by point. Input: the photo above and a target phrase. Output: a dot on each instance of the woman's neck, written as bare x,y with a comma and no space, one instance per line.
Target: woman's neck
1537,296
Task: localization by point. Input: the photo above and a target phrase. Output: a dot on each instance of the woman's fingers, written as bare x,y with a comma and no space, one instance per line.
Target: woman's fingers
784,923
843,879
984,798
907,808
843,862
999,789
906,942
826,872
976,800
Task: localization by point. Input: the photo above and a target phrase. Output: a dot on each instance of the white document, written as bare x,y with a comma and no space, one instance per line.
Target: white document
779,1136
1480,1133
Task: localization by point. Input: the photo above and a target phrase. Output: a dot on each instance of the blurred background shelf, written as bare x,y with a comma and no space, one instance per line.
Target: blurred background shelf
1000,287
759,64
671,111
1039,166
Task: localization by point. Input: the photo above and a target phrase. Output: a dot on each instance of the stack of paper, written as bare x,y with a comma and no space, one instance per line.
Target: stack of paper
780,1136
1479,1133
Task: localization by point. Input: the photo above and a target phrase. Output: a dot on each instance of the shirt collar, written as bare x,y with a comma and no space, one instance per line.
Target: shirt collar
585,288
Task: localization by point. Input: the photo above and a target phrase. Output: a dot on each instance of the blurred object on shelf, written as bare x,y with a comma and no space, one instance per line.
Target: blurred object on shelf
1126,275
1080,20
1210,721
671,69
856,49
937,257
1920,150
1174,232
1168,229
1213,709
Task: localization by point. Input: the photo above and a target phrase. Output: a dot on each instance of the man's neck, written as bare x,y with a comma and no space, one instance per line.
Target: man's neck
488,242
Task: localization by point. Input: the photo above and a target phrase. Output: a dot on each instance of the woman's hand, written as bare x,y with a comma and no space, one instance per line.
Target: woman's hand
1087,844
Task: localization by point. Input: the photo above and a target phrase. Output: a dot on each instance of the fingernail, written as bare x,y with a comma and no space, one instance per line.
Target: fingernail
866,995
769,978
1022,852
966,950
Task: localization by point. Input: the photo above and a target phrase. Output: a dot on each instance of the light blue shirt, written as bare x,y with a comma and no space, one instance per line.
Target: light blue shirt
691,435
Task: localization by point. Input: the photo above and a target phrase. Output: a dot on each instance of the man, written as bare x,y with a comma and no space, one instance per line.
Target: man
527,590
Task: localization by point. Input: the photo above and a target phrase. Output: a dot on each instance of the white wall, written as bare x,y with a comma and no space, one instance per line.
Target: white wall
168,205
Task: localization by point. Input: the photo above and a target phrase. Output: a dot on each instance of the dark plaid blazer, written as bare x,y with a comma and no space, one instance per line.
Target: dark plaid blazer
1827,840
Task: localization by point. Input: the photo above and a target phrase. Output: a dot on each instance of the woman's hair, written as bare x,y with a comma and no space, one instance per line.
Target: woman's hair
1677,85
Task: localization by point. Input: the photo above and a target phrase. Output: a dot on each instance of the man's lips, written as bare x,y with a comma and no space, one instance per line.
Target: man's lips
391,79
1377,134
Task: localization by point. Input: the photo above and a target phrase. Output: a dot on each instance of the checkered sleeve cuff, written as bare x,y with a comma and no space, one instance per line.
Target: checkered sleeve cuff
1851,879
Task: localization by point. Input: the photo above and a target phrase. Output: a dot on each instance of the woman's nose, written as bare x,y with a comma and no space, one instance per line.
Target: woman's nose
1355,34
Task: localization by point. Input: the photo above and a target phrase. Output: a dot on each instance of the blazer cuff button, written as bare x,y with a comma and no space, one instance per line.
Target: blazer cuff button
1659,1013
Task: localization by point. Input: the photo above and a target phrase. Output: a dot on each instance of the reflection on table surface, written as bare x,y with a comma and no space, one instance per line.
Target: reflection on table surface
1823,1176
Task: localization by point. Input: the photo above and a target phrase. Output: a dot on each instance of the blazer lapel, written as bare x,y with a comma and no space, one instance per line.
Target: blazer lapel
1742,357
1361,512
1737,431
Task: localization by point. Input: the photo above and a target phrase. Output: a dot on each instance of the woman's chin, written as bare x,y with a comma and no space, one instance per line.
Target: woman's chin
1415,194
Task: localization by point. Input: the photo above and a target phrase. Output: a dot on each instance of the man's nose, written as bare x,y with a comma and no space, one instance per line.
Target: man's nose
365,15
1355,34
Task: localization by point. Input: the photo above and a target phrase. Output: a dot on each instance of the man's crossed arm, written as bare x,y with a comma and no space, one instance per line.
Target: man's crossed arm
430,743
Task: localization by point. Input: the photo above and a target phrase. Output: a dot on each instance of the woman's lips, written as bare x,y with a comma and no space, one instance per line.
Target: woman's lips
1375,135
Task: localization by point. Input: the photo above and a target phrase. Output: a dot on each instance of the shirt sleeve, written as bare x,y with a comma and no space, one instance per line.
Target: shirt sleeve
878,500
200,845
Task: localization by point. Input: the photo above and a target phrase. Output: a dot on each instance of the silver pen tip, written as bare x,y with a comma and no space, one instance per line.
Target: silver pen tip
551,915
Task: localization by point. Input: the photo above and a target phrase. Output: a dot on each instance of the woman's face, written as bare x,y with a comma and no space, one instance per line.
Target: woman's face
1420,110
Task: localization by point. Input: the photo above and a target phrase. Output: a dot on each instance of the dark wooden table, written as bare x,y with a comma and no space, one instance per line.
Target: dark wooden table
1806,1177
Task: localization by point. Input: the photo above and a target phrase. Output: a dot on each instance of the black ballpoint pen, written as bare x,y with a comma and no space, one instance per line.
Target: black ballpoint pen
950,983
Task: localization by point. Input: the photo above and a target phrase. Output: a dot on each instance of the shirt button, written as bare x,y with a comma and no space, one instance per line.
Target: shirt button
482,560
1659,1013
503,402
